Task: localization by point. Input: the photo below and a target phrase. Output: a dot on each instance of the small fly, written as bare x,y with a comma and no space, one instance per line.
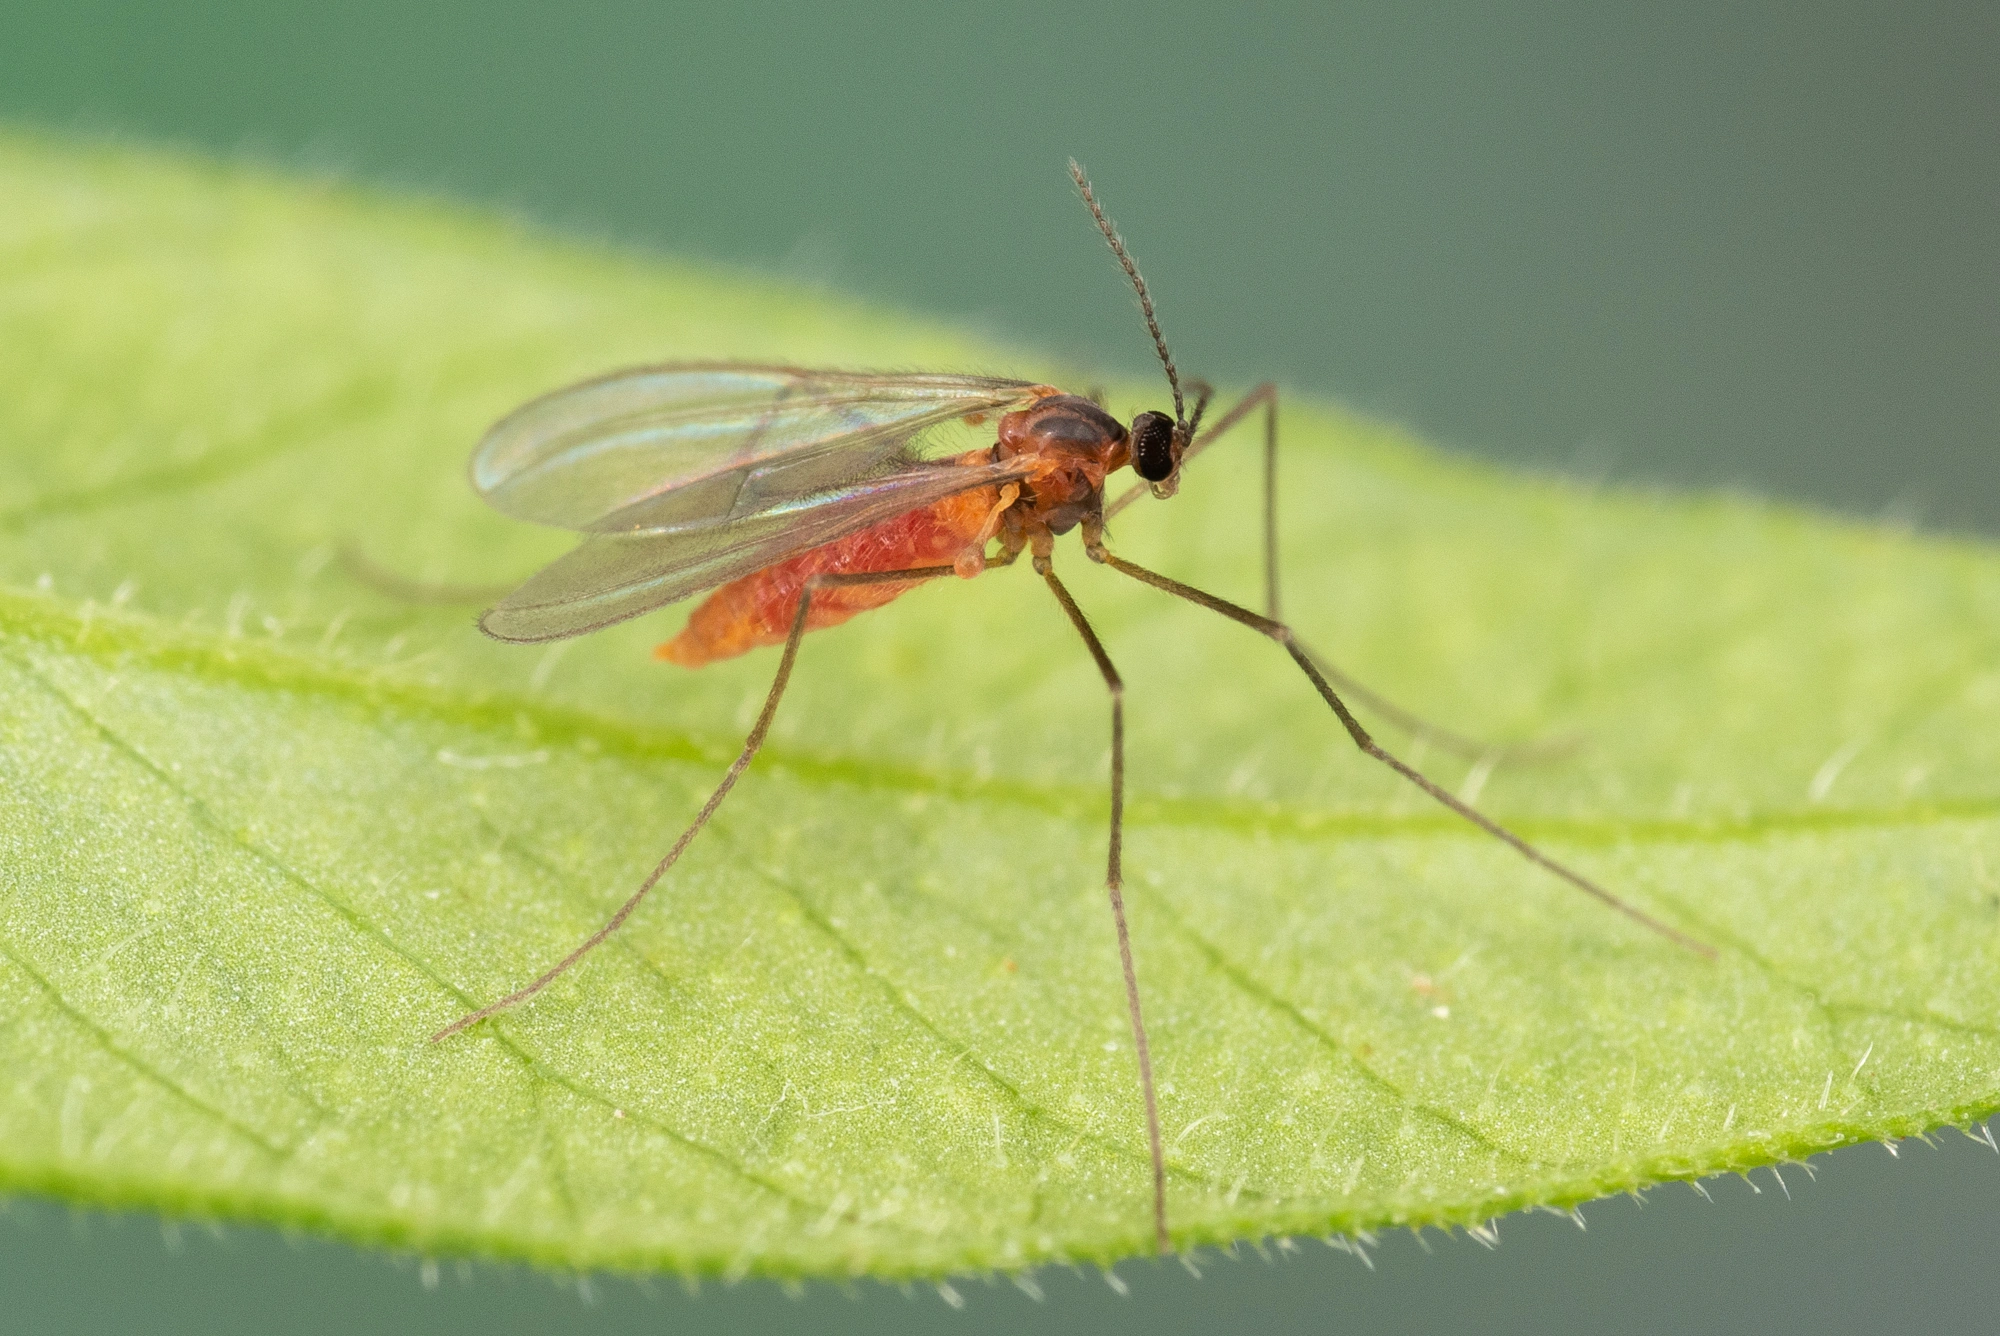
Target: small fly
802,497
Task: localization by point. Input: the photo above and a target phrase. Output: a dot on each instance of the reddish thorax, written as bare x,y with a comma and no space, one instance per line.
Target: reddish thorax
1070,444
1066,444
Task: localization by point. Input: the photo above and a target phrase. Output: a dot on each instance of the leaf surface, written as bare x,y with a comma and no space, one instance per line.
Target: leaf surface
266,826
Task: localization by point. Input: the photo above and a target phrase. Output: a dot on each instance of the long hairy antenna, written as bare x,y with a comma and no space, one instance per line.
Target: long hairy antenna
1139,286
1203,392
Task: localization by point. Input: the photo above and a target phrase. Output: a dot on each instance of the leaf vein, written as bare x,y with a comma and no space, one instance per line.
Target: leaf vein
206,818
959,1050
1240,979
106,1042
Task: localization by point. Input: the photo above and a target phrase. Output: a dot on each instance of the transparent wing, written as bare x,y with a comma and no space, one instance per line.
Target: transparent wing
701,444
615,575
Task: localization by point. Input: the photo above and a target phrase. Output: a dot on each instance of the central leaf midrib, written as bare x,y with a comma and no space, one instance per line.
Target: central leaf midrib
99,634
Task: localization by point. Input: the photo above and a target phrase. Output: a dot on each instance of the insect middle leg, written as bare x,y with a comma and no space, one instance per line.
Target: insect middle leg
751,745
1114,885
1282,633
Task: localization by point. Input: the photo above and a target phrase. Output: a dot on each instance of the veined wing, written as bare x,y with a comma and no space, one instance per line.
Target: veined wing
687,445
611,576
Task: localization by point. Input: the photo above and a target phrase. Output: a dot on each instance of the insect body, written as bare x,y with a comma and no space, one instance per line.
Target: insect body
758,609
1063,446
801,498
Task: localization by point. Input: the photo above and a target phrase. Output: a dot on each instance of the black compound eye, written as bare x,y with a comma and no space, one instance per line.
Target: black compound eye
1153,446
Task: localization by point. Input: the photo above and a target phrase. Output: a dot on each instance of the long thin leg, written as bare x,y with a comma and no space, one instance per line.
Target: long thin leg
742,762
365,570
1114,885
1281,633
1265,396
1271,505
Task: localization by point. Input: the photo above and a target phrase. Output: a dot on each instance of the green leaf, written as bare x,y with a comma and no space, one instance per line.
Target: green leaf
266,828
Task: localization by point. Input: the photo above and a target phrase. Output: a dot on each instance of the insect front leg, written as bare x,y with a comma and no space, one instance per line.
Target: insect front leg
1423,730
1266,397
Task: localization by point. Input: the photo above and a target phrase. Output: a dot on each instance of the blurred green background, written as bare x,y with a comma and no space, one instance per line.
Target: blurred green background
1686,244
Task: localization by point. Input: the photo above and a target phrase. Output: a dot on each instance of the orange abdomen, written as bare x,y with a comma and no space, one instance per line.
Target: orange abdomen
758,609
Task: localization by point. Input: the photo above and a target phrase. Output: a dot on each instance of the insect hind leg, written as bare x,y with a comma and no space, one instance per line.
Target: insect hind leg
365,570
751,745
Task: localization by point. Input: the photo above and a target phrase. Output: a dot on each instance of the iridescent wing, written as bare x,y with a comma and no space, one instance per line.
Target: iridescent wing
687,476
669,446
